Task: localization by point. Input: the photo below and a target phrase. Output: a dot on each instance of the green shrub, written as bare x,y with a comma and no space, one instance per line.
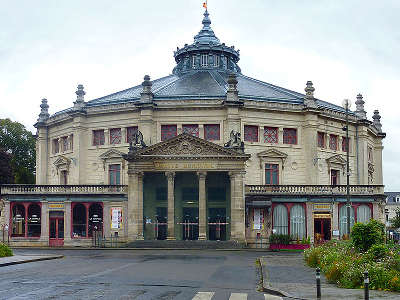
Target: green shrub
312,256
378,251
5,250
366,235
279,239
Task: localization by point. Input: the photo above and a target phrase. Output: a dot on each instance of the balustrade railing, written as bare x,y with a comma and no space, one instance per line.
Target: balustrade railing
315,189
13,189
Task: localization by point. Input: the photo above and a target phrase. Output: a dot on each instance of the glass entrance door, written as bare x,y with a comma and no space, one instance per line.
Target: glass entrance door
322,230
217,224
160,226
190,223
56,232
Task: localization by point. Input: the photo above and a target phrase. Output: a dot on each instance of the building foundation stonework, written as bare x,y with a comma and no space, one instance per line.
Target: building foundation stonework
205,153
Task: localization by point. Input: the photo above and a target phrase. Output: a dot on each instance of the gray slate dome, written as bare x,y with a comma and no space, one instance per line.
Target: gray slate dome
202,71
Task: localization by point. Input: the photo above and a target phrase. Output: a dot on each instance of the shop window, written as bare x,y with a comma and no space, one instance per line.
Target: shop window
297,221
192,129
343,219
95,218
168,131
79,219
363,213
64,177
271,174
34,224
114,174
290,136
211,132
250,133
321,140
98,137
334,177
130,132
333,142
216,194
280,219
345,144
18,220
271,135
56,146
115,136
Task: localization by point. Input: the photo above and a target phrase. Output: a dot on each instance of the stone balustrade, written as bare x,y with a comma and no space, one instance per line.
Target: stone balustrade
26,189
314,190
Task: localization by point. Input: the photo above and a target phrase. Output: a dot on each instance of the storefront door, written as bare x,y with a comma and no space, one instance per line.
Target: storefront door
322,230
217,224
56,232
190,223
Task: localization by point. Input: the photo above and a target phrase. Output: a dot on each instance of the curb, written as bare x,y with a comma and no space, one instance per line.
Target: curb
267,286
17,262
137,249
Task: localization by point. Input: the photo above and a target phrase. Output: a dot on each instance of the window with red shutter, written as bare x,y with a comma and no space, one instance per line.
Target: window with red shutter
290,136
345,144
321,140
98,137
271,135
192,129
271,174
333,142
168,131
115,136
211,132
250,133
130,131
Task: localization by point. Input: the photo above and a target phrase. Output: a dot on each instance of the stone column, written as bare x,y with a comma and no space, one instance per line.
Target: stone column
202,206
310,221
335,216
67,221
44,220
133,205
237,207
171,205
140,207
42,155
106,219
7,213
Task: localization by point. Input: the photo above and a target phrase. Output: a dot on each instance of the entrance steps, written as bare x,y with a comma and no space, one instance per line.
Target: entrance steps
186,244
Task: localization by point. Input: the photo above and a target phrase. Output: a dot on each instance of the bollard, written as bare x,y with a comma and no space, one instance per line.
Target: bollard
366,286
318,278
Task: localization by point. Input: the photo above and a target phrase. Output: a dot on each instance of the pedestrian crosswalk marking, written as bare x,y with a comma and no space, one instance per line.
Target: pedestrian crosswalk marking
203,296
272,297
238,296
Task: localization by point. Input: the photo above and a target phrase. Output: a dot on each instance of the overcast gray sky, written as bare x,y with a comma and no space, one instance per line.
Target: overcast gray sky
345,47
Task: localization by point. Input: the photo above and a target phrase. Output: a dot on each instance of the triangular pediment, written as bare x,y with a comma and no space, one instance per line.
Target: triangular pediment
112,153
188,146
336,159
62,160
273,153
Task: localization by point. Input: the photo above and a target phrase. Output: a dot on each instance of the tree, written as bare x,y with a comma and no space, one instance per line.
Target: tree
395,222
20,144
6,172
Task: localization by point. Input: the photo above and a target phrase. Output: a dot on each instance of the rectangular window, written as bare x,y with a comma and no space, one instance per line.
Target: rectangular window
204,60
114,173
194,61
190,195
115,136
334,177
64,177
56,146
290,136
64,143
216,61
271,174
71,142
130,131
321,140
271,135
333,142
168,131
211,132
345,144
250,133
192,129
98,137
370,155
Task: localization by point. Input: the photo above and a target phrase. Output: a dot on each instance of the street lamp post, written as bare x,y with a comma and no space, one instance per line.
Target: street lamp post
347,105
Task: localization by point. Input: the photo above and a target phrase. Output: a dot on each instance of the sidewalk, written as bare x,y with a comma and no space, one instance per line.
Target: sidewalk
21,259
286,273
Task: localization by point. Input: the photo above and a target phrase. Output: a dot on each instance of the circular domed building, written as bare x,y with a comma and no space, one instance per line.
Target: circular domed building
206,153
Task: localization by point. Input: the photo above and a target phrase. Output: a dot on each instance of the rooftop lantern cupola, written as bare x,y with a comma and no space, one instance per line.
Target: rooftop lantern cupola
207,52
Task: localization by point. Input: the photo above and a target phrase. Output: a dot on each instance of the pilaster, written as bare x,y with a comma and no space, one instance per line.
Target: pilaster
42,147
171,205
335,217
106,219
44,218
80,145
134,206
310,221
311,149
202,206
67,221
237,206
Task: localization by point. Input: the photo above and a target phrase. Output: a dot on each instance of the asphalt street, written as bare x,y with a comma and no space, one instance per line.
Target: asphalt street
135,274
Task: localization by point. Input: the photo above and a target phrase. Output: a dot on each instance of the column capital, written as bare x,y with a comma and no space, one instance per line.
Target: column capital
233,174
202,174
170,175
135,172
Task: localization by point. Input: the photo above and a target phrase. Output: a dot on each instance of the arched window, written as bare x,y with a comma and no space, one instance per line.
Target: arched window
18,220
297,221
79,221
363,213
343,219
95,218
34,214
280,219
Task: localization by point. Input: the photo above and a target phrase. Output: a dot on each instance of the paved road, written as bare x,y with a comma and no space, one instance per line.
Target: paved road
124,274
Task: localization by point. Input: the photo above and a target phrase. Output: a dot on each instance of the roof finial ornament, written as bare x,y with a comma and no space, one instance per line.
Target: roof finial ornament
309,100
44,111
377,120
360,112
79,104
146,95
